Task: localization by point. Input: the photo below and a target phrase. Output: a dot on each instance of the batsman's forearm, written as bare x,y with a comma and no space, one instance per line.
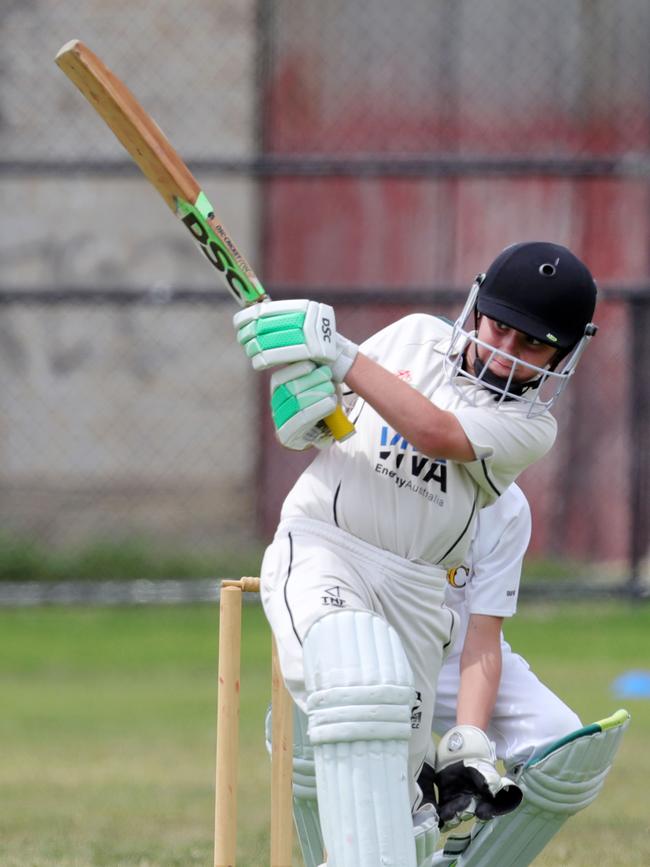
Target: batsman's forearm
431,430
480,671
477,693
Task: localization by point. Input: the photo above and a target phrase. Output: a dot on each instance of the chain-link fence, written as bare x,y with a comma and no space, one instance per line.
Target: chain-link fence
375,154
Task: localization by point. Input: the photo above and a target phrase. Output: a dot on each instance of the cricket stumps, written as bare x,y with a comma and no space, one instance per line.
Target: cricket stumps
227,762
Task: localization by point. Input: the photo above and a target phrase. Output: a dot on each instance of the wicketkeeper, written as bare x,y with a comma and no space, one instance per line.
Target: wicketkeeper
353,584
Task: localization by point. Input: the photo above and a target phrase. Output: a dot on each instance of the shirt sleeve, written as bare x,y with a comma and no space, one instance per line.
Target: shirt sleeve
412,330
505,442
380,343
498,548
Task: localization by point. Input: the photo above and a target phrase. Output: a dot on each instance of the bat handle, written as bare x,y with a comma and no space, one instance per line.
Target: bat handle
339,425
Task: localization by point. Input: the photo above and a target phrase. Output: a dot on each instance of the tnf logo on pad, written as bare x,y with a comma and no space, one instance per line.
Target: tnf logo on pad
332,598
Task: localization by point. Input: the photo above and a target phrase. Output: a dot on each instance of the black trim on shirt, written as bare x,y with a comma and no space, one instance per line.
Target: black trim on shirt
490,482
356,418
286,581
336,496
451,630
469,521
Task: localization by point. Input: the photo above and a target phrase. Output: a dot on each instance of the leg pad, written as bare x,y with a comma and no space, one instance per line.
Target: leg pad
360,692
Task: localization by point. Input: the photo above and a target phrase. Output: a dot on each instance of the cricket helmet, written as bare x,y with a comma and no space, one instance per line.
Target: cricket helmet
541,289
538,288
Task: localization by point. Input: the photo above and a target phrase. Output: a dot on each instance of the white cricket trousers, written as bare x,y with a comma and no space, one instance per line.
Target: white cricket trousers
312,568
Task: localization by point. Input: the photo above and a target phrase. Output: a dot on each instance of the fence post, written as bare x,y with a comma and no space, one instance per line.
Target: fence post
639,307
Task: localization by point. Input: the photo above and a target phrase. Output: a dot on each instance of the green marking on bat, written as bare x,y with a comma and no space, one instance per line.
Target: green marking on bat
220,251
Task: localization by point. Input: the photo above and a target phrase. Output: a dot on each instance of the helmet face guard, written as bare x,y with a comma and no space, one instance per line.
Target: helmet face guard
542,386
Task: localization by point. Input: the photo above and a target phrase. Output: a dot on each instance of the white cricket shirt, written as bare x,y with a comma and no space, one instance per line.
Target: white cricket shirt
377,487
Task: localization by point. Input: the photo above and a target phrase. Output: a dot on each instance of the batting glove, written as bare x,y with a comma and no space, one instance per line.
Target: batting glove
282,332
302,394
467,779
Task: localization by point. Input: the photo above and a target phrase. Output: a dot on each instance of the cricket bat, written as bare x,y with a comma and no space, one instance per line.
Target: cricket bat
163,167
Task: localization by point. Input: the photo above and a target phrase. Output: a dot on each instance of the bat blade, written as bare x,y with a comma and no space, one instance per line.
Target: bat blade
165,170
150,149
129,122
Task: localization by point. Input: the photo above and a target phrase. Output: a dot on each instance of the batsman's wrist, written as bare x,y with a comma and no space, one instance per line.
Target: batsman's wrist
347,352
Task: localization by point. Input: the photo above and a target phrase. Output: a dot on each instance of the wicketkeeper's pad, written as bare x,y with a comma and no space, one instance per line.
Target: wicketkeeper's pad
562,780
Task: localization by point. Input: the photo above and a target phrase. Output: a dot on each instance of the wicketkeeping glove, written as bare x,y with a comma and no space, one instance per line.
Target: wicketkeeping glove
301,395
467,780
276,333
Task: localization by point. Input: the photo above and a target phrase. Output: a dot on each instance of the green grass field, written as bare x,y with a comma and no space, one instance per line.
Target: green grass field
107,733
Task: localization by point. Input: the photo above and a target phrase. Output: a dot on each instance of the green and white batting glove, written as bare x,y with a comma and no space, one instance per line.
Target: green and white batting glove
301,395
276,333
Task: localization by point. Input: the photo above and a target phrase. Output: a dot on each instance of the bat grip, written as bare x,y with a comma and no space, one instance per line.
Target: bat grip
339,425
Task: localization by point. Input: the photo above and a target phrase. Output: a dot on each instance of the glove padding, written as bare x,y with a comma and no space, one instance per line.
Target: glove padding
467,780
302,394
282,332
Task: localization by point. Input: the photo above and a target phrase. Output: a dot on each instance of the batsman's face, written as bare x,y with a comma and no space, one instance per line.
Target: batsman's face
526,349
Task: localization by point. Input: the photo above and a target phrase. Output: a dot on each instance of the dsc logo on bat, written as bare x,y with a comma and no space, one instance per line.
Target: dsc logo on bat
217,252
